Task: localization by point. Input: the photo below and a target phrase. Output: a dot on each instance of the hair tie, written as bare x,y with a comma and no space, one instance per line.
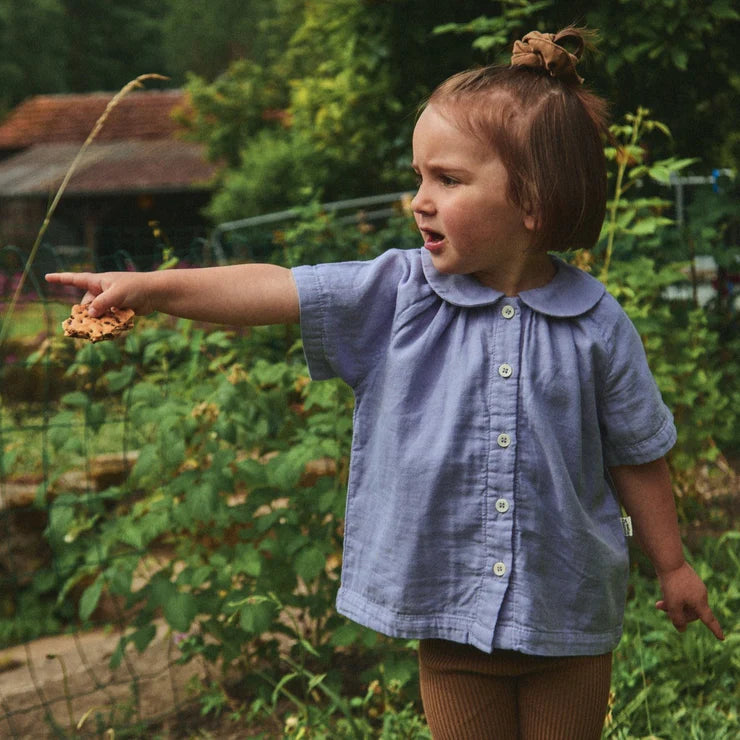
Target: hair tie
543,50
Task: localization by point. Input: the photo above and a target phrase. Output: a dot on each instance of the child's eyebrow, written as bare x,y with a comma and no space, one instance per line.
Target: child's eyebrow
437,167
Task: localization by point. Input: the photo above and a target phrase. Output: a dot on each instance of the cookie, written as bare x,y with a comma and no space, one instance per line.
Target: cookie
112,324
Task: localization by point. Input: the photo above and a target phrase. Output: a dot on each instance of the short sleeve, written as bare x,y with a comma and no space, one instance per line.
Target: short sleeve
346,313
637,426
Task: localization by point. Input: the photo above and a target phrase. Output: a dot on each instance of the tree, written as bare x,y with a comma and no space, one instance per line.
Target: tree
59,46
30,49
111,43
204,38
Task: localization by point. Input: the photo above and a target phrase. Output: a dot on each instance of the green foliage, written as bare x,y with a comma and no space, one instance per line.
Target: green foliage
299,127
494,34
669,685
103,38
50,46
638,263
204,38
228,112
30,48
229,525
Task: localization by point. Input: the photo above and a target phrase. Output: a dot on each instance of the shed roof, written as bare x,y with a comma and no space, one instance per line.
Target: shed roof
137,149
70,118
114,167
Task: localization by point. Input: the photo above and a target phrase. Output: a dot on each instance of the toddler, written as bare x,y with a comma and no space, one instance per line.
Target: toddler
504,408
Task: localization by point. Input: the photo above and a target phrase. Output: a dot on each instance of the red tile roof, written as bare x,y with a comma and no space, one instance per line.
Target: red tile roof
137,149
70,118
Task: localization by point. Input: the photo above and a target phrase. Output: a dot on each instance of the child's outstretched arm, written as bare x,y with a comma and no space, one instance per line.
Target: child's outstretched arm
238,295
647,496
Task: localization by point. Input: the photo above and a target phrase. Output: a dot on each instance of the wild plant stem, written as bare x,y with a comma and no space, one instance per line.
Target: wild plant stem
114,101
623,155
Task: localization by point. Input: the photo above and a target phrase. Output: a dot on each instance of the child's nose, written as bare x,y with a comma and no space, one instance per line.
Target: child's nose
421,202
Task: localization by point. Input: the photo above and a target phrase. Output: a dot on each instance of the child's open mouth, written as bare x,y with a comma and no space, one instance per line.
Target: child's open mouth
432,239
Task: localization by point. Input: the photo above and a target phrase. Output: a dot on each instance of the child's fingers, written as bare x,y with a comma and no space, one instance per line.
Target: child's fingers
706,615
691,614
100,290
88,281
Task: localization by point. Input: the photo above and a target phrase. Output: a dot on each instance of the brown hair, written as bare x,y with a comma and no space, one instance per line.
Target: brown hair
549,134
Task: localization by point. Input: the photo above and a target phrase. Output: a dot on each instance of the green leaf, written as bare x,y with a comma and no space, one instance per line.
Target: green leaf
147,395
679,57
285,471
256,618
161,589
345,635
309,562
143,636
95,415
147,465
648,226
120,379
247,560
76,399
180,610
316,680
200,502
117,657
90,597
195,577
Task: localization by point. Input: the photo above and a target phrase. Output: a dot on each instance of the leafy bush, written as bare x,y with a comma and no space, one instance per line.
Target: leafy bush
230,522
639,259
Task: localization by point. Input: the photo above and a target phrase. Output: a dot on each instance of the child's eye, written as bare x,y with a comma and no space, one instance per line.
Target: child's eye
447,181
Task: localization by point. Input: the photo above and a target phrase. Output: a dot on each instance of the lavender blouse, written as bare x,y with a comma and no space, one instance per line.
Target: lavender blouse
480,507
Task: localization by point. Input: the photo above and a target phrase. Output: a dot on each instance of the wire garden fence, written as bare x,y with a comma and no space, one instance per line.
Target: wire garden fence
63,686
65,444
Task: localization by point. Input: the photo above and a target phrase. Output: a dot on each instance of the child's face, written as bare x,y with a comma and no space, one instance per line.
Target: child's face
461,207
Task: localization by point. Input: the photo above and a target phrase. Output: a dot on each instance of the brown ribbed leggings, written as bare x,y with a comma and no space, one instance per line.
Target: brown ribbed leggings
470,695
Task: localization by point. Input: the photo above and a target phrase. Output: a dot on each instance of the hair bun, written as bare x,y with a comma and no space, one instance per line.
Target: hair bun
544,51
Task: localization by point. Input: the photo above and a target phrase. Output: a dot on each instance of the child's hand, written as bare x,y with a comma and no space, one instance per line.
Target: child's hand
108,289
685,599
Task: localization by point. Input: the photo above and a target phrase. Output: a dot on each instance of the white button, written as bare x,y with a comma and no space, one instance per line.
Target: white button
499,568
504,440
502,505
505,370
508,312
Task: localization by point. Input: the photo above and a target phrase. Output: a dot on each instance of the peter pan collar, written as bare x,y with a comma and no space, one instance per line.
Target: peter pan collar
571,292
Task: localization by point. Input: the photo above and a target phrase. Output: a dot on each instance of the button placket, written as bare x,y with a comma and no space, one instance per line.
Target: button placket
504,391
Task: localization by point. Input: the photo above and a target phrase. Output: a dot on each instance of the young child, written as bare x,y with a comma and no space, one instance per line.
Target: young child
504,407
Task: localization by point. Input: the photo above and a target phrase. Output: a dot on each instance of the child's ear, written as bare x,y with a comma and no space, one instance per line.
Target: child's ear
529,215
530,221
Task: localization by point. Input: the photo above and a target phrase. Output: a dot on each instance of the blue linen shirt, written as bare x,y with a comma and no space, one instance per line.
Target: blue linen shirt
480,508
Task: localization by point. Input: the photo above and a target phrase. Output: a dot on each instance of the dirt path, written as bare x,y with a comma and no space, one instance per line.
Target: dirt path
66,680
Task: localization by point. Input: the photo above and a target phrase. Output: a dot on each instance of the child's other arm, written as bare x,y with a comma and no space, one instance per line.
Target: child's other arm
647,496
237,295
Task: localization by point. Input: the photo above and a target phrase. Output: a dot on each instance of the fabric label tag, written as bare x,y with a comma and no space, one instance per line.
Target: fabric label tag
626,525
